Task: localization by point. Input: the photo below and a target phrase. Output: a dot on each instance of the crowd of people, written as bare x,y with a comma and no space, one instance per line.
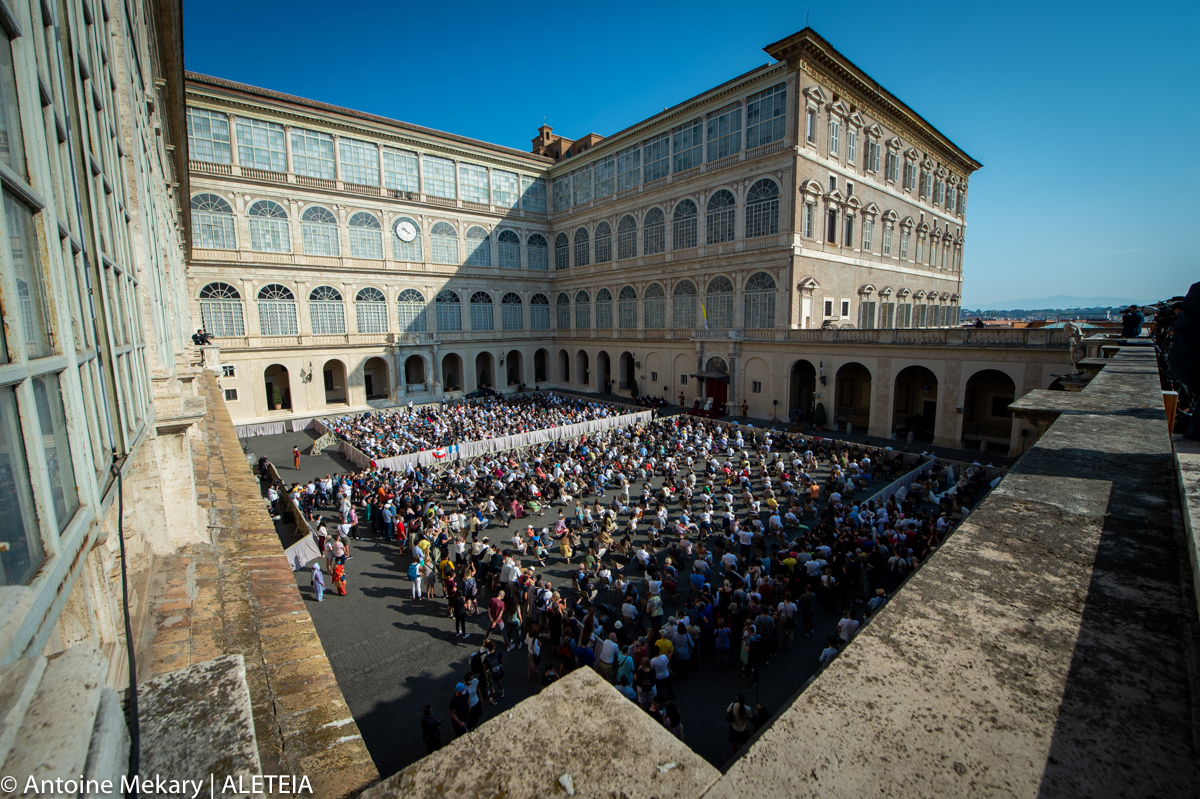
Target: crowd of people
690,546
415,429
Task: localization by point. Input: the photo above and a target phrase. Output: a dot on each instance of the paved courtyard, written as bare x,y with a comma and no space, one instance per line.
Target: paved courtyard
392,656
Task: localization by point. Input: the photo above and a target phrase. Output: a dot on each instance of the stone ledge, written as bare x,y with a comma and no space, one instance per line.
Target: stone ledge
579,726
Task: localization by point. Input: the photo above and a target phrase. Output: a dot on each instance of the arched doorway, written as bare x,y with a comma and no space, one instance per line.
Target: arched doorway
716,384
604,373
452,372
627,374
540,366
564,368
414,373
276,377
853,399
583,371
334,373
986,416
375,379
485,371
915,406
514,368
802,386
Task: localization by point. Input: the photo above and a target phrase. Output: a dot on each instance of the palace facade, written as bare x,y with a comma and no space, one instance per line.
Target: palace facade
793,236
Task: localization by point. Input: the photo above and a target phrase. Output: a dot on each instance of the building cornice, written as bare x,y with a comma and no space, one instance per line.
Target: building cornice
809,52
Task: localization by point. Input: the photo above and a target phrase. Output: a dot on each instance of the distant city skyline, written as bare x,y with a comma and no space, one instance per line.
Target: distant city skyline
1049,112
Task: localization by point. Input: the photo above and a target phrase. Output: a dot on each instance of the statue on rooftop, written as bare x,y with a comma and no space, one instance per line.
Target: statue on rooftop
1077,349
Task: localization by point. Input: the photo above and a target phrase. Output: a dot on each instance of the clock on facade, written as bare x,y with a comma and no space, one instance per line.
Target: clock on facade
405,230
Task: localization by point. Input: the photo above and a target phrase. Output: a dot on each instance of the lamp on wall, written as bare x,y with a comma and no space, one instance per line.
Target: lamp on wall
821,369
637,364
307,378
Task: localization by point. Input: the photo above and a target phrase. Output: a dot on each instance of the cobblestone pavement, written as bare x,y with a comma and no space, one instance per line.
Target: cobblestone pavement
392,656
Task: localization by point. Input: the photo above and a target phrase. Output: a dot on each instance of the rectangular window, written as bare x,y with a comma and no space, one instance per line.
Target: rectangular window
52,424
27,271
20,543
473,183
683,380
887,239
835,129
654,377
866,314
312,154
686,143
725,132
920,241
604,174
208,131
438,177
562,193
533,194
868,231
261,145
893,167
810,126
539,317
581,185
926,185
828,308
872,155
848,239
755,386
845,308
831,227
360,162
888,314
228,370
629,168
950,198
904,234
400,171
231,395
765,121
910,180
505,189
809,211
656,157
851,145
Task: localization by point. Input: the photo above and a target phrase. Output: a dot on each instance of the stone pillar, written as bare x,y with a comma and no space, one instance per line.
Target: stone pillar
401,384
337,158
947,429
435,371
882,396
287,147
233,147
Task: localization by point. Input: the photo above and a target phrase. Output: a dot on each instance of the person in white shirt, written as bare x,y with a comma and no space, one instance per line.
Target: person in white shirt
847,627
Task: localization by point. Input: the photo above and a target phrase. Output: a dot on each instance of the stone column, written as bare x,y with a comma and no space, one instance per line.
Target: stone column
435,371
287,147
947,429
882,396
401,384
337,158
233,147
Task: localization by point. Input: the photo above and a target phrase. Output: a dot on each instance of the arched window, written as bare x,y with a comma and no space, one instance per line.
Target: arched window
626,238
562,310
221,310
407,251
481,311
370,306
212,223
582,251
654,232
583,311
762,209
604,309
319,228
683,302
760,301
603,243
276,311
720,222
326,312
539,253
562,252
511,312
718,304
539,312
410,308
269,227
366,236
683,226
655,317
510,250
479,247
449,312
627,309
444,241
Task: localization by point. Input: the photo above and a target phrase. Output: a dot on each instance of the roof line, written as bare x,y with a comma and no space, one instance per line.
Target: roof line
224,83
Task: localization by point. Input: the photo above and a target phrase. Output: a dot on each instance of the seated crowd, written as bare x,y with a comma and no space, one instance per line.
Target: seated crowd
738,548
414,429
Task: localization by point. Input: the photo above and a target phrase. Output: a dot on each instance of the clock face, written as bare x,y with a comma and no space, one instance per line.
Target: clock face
405,230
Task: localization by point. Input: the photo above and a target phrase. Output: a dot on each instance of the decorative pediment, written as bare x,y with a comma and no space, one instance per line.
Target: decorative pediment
853,204
814,94
840,109
959,239
912,154
907,222
808,285
920,295
894,144
874,131
929,164
923,228
856,119
890,216
954,298
834,196
937,234
953,180
866,289
886,291
903,294
932,295
942,172
871,209
811,187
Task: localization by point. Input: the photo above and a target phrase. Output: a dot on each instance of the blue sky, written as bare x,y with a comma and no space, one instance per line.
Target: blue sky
1083,114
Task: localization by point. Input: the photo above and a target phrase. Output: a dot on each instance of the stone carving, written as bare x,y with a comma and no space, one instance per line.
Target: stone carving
1076,346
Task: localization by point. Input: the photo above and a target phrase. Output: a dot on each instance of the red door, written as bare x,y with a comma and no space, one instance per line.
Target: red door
718,390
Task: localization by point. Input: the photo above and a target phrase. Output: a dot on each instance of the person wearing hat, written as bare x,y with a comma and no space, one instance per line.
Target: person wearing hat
460,709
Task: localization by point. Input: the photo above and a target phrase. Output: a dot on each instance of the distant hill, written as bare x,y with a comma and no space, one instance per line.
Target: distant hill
1058,302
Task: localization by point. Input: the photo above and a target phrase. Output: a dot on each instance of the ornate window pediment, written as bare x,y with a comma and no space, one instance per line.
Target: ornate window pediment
874,131
942,172
811,187
953,180
912,154
907,222
886,291
839,108
931,295
856,119
936,234
834,196
866,289
815,95
954,298
808,285
903,294
894,144
853,205
890,216
919,295
871,209
923,228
